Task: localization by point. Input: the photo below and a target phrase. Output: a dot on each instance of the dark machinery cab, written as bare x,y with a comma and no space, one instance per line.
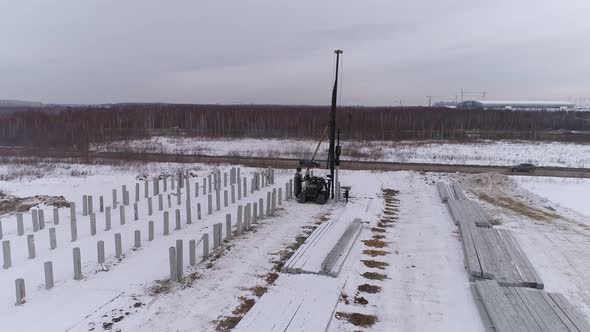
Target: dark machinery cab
316,189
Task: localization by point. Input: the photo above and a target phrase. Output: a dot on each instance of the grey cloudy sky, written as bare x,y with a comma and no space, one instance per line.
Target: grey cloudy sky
90,51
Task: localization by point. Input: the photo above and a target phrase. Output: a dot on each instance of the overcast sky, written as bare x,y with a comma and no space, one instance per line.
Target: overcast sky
275,51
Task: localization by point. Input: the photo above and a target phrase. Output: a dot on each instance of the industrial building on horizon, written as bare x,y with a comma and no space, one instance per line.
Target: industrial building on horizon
528,105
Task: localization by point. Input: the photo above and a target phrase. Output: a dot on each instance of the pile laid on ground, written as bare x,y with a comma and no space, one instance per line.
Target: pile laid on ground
501,273
490,253
297,303
522,309
326,249
305,296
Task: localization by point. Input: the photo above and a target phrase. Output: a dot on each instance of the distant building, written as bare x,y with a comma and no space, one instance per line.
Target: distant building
527,105
445,104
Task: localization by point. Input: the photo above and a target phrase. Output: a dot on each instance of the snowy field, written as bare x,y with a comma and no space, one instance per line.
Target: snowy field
566,192
481,153
406,273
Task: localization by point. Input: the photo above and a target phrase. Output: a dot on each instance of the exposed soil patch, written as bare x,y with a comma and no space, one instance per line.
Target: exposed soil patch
378,236
357,319
360,300
382,225
371,289
375,264
245,305
271,278
378,230
160,287
228,323
375,243
374,253
374,276
258,290
299,240
344,298
13,204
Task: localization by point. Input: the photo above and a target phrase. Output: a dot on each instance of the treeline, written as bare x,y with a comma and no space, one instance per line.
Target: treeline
78,127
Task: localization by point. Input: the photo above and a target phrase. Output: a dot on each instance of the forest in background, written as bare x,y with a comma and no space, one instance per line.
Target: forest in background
75,128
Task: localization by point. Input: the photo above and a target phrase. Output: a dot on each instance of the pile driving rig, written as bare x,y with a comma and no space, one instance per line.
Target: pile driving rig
317,188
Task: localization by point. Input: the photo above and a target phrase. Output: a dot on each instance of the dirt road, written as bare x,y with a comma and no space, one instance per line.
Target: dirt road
289,163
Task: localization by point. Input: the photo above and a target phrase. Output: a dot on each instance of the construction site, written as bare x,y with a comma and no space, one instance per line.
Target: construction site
124,238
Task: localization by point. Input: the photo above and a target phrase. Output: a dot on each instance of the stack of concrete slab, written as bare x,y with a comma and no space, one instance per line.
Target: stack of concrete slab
450,192
522,309
494,254
506,301
490,253
326,249
465,211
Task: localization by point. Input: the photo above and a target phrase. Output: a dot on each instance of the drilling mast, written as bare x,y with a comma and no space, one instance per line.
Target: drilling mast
331,151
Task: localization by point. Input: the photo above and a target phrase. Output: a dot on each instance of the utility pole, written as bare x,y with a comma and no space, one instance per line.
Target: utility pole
430,100
331,151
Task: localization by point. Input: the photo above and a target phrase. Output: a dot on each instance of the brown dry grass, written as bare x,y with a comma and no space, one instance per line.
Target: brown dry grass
374,264
245,305
227,323
374,276
360,300
375,243
271,278
378,236
357,319
382,225
371,289
374,253
378,230
258,291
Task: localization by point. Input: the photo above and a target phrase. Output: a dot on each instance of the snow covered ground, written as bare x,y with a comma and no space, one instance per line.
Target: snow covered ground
407,272
480,153
567,192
